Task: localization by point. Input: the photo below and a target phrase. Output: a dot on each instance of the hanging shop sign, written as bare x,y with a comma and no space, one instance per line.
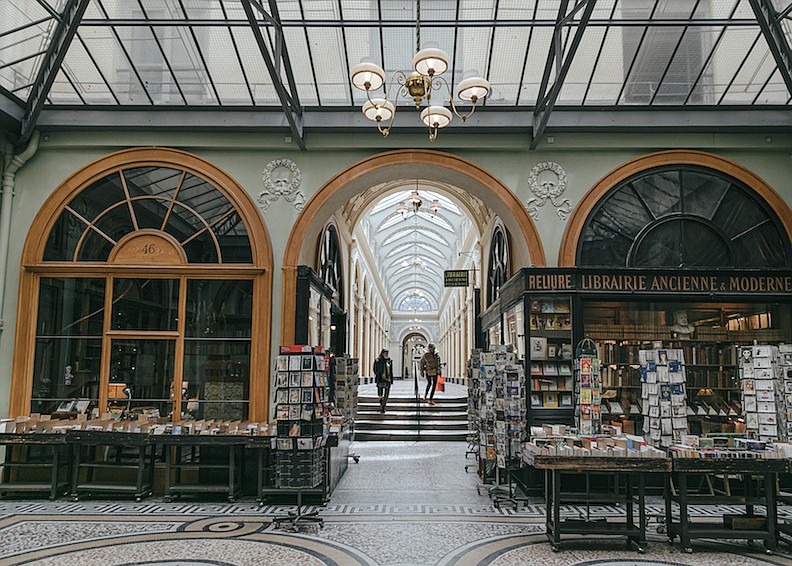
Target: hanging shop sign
455,278
766,282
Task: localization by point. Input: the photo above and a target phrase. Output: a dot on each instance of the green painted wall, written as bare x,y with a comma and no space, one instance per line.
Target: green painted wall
585,157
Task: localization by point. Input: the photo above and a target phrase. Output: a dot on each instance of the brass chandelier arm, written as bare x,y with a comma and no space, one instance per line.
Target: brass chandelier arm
437,83
401,79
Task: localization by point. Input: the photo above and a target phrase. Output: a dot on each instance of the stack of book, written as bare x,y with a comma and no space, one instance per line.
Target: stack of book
762,391
302,391
664,404
785,350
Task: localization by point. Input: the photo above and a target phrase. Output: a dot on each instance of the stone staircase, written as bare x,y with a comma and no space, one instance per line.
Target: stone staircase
446,420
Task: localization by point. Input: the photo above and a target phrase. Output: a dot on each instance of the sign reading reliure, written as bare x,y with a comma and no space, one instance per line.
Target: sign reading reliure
455,278
767,282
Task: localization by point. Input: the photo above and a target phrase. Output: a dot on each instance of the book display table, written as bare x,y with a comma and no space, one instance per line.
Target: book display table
628,488
189,452
102,461
26,453
758,478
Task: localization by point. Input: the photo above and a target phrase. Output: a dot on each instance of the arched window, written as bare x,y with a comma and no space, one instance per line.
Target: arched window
498,270
330,264
683,216
145,269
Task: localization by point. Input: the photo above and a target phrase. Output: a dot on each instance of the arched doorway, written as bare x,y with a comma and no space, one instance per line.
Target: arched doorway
413,345
401,164
148,273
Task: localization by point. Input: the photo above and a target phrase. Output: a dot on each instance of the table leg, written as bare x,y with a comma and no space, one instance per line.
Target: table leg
232,473
668,506
629,492
141,462
641,512
55,471
772,511
75,470
556,509
168,467
684,526
260,475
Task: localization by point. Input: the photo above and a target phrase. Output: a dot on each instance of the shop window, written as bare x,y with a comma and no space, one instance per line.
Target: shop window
155,328
683,217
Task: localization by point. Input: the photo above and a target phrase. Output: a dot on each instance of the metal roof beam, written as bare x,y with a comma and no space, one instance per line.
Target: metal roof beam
738,119
547,98
288,99
50,65
776,40
11,112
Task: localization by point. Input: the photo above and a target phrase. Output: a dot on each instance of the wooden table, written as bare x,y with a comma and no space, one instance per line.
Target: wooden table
629,475
175,460
761,492
55,459
131,451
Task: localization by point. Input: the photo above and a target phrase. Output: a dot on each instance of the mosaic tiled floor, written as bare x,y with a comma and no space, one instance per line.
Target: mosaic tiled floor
404,504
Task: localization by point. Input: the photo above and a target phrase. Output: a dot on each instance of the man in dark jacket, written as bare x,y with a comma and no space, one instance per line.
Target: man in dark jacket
430,369
383,372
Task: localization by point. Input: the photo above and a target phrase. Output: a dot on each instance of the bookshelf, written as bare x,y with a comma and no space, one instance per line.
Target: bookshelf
550,363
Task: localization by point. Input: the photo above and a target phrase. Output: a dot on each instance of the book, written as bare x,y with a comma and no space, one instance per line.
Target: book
549,368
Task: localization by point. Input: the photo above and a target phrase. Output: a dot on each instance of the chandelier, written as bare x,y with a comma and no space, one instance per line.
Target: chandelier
428,64
416,202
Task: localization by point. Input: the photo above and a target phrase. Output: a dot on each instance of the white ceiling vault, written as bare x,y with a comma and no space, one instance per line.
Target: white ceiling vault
412,250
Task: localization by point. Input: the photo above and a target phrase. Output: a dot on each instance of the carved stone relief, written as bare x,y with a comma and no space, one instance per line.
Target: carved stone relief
548,181
281,178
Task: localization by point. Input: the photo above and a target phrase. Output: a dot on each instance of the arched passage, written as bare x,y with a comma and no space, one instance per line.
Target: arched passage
383,167
569,244
180,236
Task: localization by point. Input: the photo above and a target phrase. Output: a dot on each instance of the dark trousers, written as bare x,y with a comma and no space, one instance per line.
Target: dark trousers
431,383
383,391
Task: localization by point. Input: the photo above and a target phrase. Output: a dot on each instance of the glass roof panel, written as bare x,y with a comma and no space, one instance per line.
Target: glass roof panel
362,43
111,59
748,82
62,92
223,65
185,59
150,64
534,66
199,9
398,10
360,10
655,50
329,59
119,9
685,69
576,81
726,60
608,76
774,92
472,55
86,78
19,13
505,70
257,75
320,9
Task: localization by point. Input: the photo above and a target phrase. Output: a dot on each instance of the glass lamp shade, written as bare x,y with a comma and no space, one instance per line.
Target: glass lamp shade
435,206
472,89
436,116
402,208
378,109
367,73
430,61
415,198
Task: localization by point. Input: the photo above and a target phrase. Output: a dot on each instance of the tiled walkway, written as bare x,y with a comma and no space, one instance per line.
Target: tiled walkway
403,504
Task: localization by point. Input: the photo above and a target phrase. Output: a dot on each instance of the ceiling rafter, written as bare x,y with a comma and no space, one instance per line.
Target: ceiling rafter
62,36
277,62
548,95
770,24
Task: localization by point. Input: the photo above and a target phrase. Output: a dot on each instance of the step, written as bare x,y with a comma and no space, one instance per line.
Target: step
424,407
388,426
391,414
411,400
411,435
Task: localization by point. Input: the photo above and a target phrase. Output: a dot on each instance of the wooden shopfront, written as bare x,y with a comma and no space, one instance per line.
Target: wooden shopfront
544,313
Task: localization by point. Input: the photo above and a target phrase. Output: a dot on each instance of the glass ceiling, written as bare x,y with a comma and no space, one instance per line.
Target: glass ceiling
203,53
413,249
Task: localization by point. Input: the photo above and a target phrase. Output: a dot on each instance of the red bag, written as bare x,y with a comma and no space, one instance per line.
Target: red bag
440,383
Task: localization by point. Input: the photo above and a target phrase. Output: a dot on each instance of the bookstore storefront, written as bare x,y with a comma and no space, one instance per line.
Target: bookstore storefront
707,315
682,250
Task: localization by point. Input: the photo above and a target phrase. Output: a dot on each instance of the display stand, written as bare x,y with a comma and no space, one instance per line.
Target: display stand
755,493
629,475
187,451
294,520
87,459
55,459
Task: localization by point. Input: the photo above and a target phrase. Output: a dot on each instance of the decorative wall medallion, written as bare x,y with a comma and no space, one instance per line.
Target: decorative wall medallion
281,178
548,181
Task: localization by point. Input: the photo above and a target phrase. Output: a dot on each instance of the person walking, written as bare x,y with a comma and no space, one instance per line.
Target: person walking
430,369
383,371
